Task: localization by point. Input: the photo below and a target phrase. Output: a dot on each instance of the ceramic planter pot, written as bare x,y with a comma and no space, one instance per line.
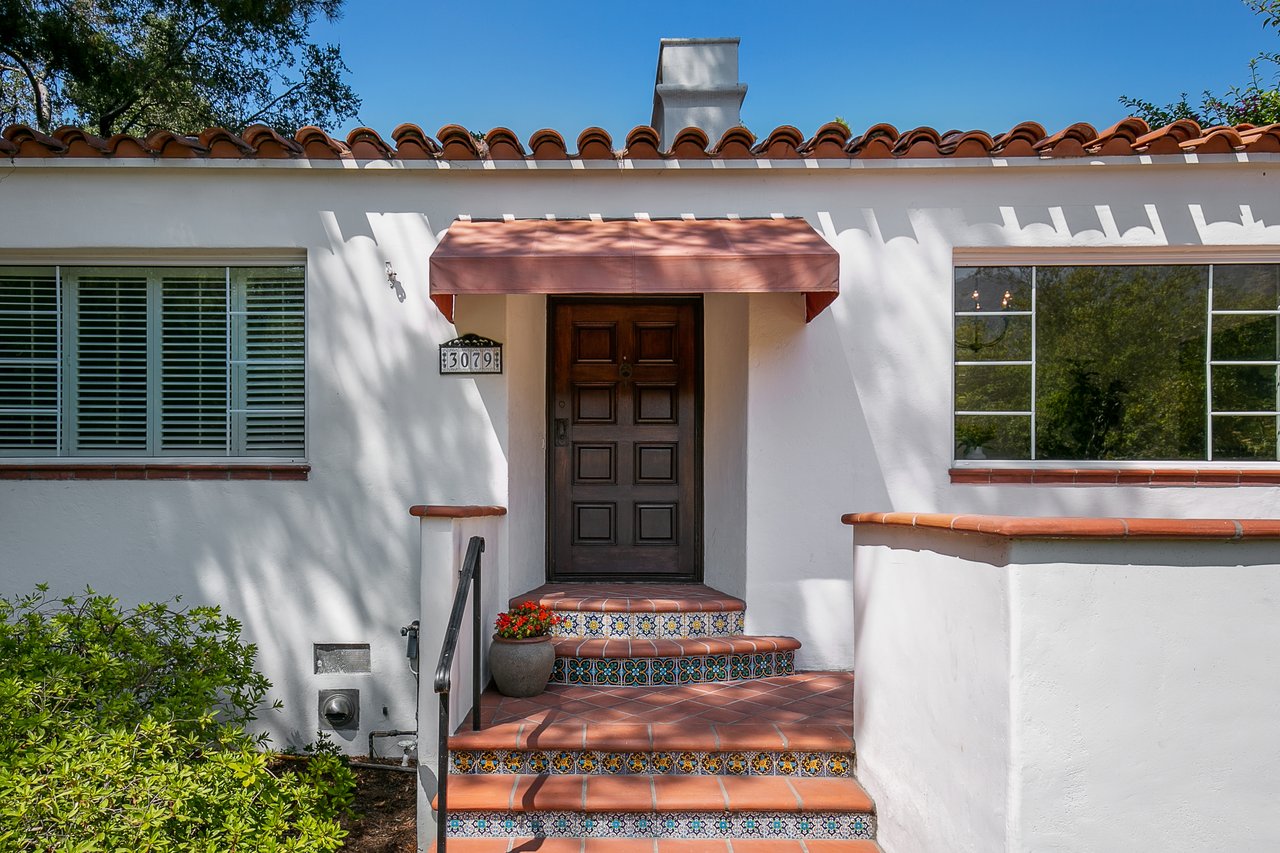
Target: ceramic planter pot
521,667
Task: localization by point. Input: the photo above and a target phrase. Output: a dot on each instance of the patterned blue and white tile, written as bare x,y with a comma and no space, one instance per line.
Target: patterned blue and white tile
734,824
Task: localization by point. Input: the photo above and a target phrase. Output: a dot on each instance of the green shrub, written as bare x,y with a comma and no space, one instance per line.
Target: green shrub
123,729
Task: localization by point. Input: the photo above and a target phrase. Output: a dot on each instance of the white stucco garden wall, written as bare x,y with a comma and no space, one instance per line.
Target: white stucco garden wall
1067,696
851,411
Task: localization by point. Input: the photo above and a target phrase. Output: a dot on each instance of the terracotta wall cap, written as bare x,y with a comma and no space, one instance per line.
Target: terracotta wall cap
595,143
921,142
828,143
782,143
269,145
642,144
504,145
223,144
365,144
1128,137
1070,527
80,143
546,144
412,143
457,143
690,144
735,144
450,511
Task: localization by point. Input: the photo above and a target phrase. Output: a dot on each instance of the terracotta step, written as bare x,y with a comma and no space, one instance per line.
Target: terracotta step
642,611
632,749
659,845
659,794
693,734
631,598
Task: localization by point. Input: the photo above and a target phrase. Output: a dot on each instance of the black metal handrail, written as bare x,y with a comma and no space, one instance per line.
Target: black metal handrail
468,582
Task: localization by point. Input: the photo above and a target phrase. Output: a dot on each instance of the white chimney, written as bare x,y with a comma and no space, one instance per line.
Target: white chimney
697,86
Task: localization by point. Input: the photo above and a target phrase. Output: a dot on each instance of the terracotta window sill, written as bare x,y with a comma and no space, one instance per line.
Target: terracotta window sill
440,511
1117,476
149,471
1061,527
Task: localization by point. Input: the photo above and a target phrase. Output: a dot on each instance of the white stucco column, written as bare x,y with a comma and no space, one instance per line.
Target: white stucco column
436,566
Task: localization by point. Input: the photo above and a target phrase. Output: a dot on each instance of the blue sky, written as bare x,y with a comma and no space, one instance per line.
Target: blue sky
977,64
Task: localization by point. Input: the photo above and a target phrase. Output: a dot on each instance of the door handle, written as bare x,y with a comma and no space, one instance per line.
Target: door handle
562,432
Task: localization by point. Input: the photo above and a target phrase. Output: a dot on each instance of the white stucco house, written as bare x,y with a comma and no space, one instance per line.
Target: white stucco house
220,377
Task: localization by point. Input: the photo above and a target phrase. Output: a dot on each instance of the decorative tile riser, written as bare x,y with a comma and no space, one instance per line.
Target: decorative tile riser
721,824
601,763
656,672
650,626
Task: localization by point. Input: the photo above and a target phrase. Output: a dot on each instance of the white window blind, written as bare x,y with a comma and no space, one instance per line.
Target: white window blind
174,361
30,360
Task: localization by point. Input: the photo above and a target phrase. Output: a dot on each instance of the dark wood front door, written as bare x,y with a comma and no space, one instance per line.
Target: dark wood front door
625,492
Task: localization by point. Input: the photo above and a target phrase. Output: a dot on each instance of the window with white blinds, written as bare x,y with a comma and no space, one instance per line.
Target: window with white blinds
152,361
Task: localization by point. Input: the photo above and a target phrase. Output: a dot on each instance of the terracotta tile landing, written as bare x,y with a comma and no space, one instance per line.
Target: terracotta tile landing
631,597
810,710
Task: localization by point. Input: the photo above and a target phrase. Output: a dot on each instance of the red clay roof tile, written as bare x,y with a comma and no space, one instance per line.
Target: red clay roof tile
689,144
365,144
832,141
642,144
546,144
413,144
782,144
594,143
828,143
876,144
503,145
457,143
735,144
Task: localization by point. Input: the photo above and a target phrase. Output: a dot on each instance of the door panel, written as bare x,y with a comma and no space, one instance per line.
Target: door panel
625,493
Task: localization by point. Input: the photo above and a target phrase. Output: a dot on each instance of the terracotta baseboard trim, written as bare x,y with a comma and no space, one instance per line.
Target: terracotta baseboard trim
1063,527
144,471
1116,476
442,511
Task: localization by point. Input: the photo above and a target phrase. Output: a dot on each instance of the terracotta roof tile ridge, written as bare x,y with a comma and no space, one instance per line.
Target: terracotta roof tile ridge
921,142
81,143
1168,139
413,143
876,144
547,144
270,145
221,143
166,143
827,143
735,144
595,143
642,144
1068,142
1019,141
690,143
782,143
966,143
316,144
457,143
1120,138
364,143
125,146
32,143
1216,140
504,144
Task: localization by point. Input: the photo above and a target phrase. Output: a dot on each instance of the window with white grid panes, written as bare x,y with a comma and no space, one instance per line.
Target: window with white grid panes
119,361
1177,362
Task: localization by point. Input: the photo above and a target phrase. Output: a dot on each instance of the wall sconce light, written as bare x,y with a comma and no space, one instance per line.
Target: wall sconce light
391,277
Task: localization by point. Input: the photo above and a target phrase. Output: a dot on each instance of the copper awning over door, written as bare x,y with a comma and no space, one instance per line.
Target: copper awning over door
635,258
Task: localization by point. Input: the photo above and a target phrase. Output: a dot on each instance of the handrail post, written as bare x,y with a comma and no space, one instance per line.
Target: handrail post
477,620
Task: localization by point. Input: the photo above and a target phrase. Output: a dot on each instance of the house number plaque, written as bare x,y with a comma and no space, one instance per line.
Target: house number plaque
470,354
